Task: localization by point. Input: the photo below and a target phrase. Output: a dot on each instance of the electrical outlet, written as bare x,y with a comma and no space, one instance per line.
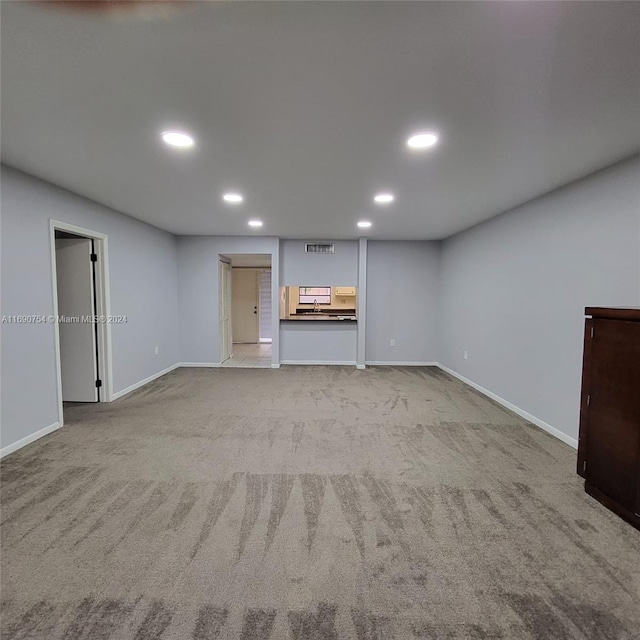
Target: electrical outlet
157,351
466,355
392,342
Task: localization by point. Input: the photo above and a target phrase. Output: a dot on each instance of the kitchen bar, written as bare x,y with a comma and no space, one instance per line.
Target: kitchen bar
318,304
319,325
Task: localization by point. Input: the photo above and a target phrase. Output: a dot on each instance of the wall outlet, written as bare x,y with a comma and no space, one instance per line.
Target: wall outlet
466,355
392,342
157,351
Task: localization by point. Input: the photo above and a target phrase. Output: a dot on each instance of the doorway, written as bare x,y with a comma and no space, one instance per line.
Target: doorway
247,302
225,310
80,315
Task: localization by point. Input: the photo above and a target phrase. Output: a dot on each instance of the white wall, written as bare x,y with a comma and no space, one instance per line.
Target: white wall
318,342
143,277
315,270
198,299
403,302
198,258
514,290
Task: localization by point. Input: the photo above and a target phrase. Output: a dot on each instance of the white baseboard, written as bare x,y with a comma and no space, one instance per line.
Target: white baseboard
23,442
386,363
4,451
345,363
141,383
199,364
361,366
572,442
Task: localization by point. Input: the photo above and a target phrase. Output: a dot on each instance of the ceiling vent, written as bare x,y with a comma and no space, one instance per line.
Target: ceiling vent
317,247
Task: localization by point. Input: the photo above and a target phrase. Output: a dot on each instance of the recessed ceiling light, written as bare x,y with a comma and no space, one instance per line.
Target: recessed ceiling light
384,198
178,139
423,140
255,223
364,224
233,198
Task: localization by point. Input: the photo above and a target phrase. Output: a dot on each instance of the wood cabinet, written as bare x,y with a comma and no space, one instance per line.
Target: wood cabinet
345,291
609,440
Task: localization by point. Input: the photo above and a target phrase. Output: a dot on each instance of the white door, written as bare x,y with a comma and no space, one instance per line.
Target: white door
225,310
244,305
78,358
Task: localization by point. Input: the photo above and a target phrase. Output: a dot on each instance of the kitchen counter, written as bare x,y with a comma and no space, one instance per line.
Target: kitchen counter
316,317
308,339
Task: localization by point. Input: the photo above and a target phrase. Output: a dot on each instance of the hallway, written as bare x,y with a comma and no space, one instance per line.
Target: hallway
250,356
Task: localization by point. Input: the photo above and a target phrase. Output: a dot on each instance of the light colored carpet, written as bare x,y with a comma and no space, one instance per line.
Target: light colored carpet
312,503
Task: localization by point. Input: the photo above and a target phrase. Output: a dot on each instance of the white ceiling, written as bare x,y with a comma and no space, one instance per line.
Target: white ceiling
305,108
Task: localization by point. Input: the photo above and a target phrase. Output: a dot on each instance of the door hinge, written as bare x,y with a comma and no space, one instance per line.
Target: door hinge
98,383
94,258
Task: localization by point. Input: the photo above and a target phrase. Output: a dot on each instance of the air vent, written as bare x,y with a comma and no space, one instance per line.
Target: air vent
316,247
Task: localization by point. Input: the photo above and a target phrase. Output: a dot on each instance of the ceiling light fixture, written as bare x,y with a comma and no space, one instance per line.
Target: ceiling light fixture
178,139
255,223
233,198
384,198
423,140
364,224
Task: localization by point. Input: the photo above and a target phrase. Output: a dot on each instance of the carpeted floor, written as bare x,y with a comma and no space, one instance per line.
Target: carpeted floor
314,503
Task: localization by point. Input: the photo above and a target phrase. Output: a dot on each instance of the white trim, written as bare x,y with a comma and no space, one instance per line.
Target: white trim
380,363
199,364
119,394
141,383
275,365
361,303
361,366
572,442
103,302
224,275
23,442
349,363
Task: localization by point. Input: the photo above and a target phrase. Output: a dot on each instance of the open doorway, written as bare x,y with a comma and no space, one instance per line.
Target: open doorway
245,310
80,315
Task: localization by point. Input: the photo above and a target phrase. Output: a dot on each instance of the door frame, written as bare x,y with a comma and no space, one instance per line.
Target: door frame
224,271
103,308
262,270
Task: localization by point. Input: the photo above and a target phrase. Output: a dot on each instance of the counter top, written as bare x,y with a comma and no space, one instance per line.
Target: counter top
614,313
316,318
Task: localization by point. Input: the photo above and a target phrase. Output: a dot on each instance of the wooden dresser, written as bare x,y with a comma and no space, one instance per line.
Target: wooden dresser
609,441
